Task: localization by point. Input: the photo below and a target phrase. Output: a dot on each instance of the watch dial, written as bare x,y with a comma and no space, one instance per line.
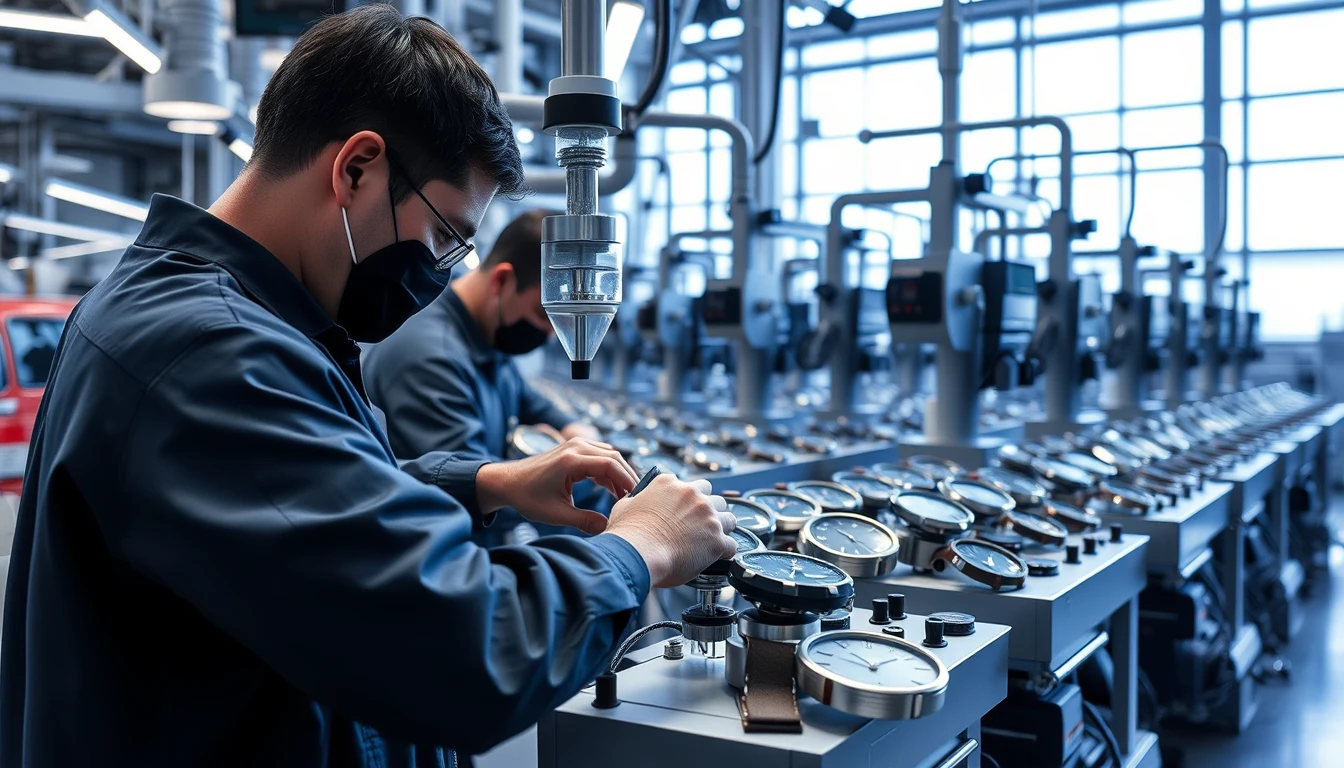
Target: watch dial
669,438
746,541
1039,524
712,459
1011,481
664,462
979,494
907,479
849,536
932,508
872,661
990,559
1091,464
534,441
936,468
1058,470
783,566
826,496
785,505
748,516
870,487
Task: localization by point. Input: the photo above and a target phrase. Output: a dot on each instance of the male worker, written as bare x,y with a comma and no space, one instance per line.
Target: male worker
446,380
218,561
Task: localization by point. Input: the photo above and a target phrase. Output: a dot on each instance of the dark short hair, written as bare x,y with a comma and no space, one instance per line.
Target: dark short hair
405,79
520,245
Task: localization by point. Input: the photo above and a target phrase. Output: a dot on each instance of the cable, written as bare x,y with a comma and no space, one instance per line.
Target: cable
781,43
1113,746
1151,692
639,633
986,756
662,57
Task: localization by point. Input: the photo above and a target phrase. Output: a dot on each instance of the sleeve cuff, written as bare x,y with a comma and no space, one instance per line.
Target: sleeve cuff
626,561
456,475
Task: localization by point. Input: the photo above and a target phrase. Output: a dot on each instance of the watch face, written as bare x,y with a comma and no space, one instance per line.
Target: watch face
1075,519
737,432
766,451
867,486
989,558
971,492
786,506
711,459
670,439
796,569
752,516
669,464
850,535
1090,464
872,660
1010,482
938,469
815,444
1043,527
1013,458
746,540
928,508
828,495
904,478
631,445
1059,472
532,441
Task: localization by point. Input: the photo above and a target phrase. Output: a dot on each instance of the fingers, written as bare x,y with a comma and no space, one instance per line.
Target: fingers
585,520
719,503
702,486
603,464
728,520
729,548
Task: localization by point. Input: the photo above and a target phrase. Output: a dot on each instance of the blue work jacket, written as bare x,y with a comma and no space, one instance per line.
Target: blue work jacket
443,387
218,561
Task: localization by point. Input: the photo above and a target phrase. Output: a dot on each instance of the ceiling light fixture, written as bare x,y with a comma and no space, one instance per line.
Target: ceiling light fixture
97,199
623,24
55,23
194,127
116,29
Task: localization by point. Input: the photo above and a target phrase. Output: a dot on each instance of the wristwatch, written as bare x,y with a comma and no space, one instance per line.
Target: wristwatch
530,440
1015,458
710,458
1076,520
904,478
933,466
1116,498
831,497
983,499
987,563
926,522
1037,528
1026,493
875,491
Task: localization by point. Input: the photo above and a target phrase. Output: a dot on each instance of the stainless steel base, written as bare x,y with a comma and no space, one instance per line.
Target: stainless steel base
679,712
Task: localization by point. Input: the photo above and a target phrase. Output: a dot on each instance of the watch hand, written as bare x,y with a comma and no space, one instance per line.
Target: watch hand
888,661
856,541
870,665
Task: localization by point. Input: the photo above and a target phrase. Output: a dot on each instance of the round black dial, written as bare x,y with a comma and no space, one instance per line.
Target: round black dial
746,542
753,516
1042,530
791,581
990,565
791,509
829,496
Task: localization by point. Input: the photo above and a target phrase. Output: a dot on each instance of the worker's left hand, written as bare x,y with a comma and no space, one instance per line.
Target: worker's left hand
580,429
541,487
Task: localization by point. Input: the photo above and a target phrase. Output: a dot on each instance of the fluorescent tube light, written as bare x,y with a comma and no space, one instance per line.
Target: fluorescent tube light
55,23
127,39
98,200
623,24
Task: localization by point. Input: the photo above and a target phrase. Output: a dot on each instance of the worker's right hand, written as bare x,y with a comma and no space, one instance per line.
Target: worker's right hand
677,527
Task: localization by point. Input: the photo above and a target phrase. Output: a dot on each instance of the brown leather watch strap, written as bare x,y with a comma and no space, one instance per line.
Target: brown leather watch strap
768,702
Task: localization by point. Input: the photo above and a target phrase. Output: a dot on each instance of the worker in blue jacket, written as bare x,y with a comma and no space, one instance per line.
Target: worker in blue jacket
218,560
447,381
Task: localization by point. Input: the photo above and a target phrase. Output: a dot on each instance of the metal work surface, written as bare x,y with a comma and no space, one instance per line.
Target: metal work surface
1251,481
675,713
759,474
1182,532
1052,616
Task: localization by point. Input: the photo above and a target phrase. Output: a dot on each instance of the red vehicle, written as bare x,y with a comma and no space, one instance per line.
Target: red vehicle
30,329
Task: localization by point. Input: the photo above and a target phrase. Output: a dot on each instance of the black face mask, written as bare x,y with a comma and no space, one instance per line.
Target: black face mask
517,339
387,287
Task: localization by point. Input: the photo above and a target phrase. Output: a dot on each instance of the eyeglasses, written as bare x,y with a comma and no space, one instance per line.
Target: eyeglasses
459,251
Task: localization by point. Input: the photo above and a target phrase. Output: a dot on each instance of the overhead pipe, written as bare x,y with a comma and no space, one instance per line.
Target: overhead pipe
192,84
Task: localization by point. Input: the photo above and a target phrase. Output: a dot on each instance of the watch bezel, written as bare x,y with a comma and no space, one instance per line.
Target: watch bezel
856,501
786,523
929,525
971,569
1018,521
857,566
865,699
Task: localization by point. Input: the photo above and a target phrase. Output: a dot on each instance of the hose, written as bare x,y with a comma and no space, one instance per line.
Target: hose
662,57
1107,735
781,43
632,639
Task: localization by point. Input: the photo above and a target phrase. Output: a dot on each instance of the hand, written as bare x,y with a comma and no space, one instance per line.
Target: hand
580,429
678,528
541,487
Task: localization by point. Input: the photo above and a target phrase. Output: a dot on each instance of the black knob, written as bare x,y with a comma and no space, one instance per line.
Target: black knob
1071,554
895,630
606,697
896,602
1090,545
1117,530
880,611
933,633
